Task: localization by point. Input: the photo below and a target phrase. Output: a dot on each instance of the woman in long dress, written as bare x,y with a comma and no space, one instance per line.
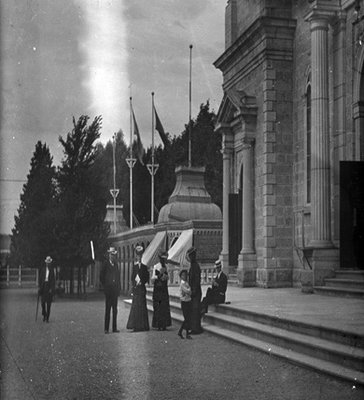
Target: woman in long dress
194,280
138,317
161,314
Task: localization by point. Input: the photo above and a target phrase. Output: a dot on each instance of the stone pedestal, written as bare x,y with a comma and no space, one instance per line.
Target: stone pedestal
246,271
324,264
190,200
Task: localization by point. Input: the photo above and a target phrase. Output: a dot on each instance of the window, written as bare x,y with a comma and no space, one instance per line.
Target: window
308,144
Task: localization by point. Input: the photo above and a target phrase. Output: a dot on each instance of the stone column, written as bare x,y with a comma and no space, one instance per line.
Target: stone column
358,115
339,131
320,205
247,260
248,190
227,155
325,258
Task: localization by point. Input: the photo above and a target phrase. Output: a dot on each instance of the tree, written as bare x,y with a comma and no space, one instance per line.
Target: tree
33,236
82,200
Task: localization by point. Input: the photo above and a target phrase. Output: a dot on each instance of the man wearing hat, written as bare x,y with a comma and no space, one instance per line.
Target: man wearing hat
110,279
47,285
216,293
194,280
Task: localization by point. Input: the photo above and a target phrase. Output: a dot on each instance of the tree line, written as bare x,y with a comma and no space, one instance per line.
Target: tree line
62,208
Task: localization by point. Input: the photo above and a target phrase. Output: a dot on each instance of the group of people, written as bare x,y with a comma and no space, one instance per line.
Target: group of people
190,293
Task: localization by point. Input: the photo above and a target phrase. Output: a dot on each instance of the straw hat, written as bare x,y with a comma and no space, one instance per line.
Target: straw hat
139,250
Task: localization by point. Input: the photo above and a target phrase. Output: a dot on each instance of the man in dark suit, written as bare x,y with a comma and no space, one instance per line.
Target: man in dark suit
110,279
47,285
216,293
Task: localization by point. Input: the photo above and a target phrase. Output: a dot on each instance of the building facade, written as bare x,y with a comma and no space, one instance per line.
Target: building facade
292,122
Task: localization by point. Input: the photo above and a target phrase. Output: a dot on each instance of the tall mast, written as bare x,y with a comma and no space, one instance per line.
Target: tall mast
131,162
152,168
114,192
189,117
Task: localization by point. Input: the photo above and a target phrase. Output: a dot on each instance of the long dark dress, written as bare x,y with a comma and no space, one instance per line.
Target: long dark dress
194,279
162,313
138,317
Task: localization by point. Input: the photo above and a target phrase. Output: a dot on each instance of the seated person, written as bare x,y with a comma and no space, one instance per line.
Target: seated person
216,293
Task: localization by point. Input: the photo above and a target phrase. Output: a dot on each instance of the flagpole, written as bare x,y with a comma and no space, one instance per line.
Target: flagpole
131,162
152,188
114,192
189,119
152,168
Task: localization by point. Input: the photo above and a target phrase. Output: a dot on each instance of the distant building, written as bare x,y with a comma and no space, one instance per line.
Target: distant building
292,122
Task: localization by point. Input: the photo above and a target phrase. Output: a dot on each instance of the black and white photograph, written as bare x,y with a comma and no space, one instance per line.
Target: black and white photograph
182,199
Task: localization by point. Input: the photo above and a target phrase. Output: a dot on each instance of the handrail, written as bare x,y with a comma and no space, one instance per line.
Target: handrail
303,247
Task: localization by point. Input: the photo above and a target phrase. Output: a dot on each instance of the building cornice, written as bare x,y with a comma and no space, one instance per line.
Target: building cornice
273,28
326,9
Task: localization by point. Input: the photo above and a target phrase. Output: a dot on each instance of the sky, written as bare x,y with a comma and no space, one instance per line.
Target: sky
66,58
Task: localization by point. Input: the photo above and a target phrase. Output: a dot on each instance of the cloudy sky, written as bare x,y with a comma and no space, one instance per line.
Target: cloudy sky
65,58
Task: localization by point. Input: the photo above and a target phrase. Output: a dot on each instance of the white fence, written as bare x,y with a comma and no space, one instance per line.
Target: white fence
18,277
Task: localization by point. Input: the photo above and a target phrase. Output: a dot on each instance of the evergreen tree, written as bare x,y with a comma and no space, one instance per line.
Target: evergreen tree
81,199
32,236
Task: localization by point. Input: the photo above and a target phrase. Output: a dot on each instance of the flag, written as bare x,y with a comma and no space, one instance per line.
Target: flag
159,128
139,145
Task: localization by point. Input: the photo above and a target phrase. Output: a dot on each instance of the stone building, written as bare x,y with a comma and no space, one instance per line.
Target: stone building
292,122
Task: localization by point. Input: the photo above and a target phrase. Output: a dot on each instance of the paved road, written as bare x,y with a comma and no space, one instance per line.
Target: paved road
71,358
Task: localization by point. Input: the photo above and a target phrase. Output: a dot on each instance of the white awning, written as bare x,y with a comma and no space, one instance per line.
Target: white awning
158,243
177,253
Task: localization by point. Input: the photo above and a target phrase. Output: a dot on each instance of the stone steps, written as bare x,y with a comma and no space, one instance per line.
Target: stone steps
336,353
347,283
233,279
337,291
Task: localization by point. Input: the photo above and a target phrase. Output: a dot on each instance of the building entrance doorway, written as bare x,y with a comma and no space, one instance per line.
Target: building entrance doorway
352,214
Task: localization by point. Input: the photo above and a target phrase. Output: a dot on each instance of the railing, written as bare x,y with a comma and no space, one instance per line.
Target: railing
207,274
18,277
303,249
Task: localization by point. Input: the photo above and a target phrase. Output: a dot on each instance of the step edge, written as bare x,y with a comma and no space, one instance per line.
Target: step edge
301,338
327,367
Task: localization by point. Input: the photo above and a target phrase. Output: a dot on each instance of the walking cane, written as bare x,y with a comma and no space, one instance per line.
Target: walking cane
36,311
